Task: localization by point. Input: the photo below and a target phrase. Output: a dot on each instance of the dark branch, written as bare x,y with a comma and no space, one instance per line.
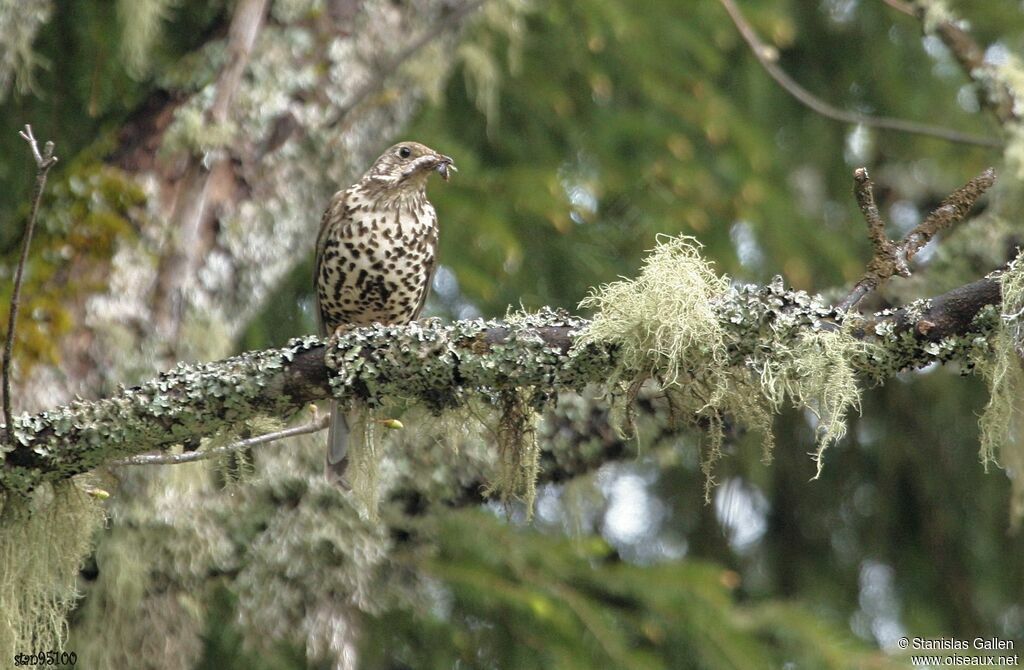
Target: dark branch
44,161
864,191
767,56
950,212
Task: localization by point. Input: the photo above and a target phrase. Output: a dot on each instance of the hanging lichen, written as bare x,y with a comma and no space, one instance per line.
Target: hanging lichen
364,460
43,541
518,449
1002,423
667,326
141,25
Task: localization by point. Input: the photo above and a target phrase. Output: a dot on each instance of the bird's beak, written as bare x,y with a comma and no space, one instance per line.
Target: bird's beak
445,166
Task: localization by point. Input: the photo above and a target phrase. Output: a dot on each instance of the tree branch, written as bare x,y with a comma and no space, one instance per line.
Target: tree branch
767,56
44,161
968,54
190,206
893,258
316,425
439,366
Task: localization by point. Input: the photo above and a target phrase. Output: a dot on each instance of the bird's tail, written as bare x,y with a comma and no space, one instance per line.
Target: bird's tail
337,448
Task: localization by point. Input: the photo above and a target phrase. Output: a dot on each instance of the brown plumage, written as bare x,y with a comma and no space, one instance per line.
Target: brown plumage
375,256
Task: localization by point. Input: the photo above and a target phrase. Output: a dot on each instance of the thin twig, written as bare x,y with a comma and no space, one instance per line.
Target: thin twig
864,191
767,55
950,211
44,161
893,258
450,20
316,425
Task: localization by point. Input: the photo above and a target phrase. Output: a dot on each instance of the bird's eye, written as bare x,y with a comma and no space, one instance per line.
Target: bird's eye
404,152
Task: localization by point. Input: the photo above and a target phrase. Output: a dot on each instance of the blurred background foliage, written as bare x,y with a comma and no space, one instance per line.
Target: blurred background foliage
582,129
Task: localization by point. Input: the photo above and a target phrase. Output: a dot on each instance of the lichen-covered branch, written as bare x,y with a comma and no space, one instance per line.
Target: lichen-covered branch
996,93
441,366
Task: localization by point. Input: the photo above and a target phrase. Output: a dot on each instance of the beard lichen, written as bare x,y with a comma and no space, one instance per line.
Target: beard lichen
665,319
44,539
518,449
364,460
667,326
1001,425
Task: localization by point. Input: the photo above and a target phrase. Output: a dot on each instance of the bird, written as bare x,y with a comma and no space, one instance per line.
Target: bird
375,258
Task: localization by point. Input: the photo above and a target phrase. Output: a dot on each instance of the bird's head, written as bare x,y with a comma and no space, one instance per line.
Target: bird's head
407,165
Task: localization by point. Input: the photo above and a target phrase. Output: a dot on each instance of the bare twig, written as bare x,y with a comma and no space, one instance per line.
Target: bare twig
179,266
317,424
893,258
449,21
44,161
864,191
767,56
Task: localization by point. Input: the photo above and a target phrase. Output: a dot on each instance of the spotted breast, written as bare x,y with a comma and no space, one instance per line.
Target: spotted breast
375,255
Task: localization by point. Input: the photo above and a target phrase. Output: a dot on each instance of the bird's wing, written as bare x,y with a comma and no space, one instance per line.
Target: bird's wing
426,290
336,206
431,268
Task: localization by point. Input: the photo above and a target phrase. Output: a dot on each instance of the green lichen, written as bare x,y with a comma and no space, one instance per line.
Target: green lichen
20,21
141,25
113,603
518,449
183,403
364,459
193,133
441,369
822,379
84,215
669,325
934,14
665,319
43,541
1002,422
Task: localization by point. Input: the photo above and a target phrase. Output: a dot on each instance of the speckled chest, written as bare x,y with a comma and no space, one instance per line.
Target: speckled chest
376,260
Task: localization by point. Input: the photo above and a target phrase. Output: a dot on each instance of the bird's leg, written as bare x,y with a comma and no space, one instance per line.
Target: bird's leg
341,331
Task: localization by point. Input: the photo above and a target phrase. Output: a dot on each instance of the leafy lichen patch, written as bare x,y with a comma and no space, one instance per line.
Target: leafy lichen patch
179,405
